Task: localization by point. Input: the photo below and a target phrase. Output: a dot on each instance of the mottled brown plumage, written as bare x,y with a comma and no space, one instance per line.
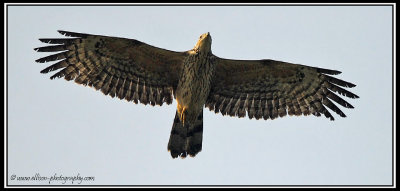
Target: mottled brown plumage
138,72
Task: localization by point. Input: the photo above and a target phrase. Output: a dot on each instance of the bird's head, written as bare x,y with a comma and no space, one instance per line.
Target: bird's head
204,43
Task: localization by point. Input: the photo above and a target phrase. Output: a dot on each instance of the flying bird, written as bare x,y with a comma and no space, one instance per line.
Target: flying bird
135,71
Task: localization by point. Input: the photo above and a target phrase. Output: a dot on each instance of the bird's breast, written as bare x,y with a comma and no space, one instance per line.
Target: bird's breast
194,85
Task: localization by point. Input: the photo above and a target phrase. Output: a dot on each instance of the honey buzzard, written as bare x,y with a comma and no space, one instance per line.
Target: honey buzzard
138,72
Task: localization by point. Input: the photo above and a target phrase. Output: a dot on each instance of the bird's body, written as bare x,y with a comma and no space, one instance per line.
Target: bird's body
191,94
138,72
194,83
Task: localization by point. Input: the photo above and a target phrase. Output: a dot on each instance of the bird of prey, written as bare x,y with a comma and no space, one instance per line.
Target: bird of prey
135,71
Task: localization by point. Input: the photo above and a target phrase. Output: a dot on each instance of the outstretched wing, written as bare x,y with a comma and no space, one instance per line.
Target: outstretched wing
268,89
126,68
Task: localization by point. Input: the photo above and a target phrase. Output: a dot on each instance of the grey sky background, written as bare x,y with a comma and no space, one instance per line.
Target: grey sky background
59,127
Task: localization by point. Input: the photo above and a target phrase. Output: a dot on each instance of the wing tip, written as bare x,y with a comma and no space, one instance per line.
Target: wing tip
62,32
351,85
43,40
40,60
72,34
44,71
328,71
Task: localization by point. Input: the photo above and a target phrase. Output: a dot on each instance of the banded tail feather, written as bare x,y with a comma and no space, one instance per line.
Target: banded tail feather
186,139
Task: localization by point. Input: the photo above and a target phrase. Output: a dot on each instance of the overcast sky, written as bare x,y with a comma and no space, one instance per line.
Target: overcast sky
56,127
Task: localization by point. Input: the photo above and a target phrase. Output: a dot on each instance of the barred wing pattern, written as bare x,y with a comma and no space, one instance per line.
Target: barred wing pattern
126,68
269,89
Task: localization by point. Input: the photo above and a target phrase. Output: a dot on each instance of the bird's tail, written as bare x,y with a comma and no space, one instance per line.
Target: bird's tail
186,139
